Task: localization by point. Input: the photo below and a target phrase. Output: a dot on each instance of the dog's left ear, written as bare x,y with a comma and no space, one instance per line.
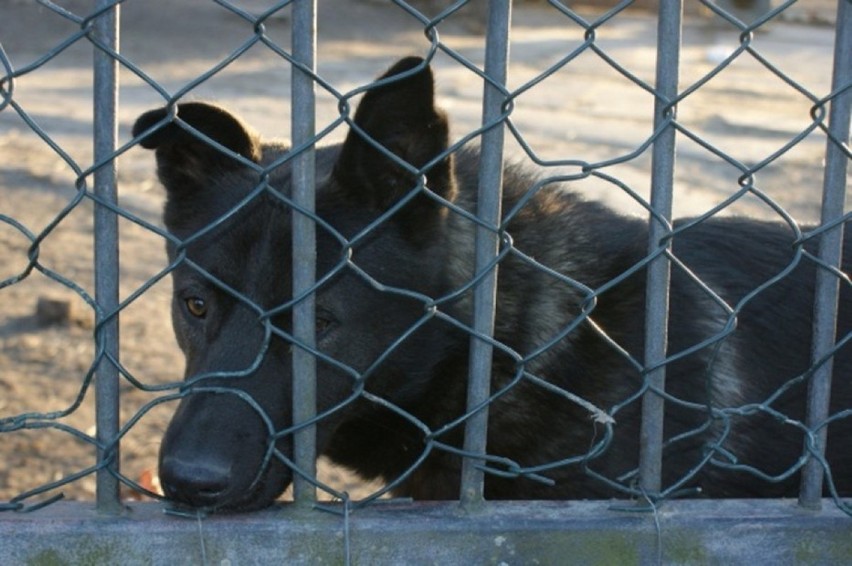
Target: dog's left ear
401,117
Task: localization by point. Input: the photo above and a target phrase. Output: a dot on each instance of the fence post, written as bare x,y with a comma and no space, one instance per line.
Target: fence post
105,33
830,253
304,247
488,211
659,270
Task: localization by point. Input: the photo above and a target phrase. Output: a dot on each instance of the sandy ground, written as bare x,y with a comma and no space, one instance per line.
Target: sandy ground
585,111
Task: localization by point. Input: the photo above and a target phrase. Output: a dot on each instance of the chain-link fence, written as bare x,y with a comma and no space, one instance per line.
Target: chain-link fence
445,326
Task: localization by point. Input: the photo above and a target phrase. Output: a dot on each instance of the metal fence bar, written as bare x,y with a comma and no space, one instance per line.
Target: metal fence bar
830,253
105,32
659,270
304,247
487,245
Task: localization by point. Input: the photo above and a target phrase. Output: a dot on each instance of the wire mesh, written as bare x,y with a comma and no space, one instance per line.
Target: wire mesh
586,44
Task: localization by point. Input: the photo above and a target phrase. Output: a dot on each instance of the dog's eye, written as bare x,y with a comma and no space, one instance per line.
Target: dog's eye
196,306
324,322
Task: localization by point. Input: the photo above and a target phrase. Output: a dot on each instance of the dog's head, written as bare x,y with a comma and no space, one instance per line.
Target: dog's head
380,205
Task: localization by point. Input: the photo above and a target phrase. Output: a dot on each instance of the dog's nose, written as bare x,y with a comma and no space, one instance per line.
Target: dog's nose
195,483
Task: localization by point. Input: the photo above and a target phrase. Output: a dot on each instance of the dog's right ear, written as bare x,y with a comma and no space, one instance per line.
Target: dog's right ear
186,161
399,118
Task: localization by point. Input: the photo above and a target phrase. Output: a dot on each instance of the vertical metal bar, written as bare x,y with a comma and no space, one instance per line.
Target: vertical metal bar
659,270
830,252
487,246
105,133
304,247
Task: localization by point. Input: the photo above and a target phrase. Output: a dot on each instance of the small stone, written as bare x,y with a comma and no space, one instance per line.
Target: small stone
53,311
62,311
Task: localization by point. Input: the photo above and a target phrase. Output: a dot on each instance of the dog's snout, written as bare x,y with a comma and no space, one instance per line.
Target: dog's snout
195,483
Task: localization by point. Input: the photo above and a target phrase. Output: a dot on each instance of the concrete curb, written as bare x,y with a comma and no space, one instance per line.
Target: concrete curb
681,532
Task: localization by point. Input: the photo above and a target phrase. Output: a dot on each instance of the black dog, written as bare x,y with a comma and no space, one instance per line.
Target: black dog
409,275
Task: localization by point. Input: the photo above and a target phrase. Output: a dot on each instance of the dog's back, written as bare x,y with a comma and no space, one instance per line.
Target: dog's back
741,302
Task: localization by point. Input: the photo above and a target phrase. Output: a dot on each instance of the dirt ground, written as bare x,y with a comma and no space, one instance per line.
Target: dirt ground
586,111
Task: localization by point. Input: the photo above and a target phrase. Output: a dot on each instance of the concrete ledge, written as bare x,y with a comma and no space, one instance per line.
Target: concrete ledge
690,532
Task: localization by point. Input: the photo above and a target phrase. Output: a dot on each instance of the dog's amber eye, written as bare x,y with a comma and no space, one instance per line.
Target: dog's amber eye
196,306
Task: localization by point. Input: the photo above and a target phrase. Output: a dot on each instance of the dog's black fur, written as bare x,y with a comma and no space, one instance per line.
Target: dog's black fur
229,213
